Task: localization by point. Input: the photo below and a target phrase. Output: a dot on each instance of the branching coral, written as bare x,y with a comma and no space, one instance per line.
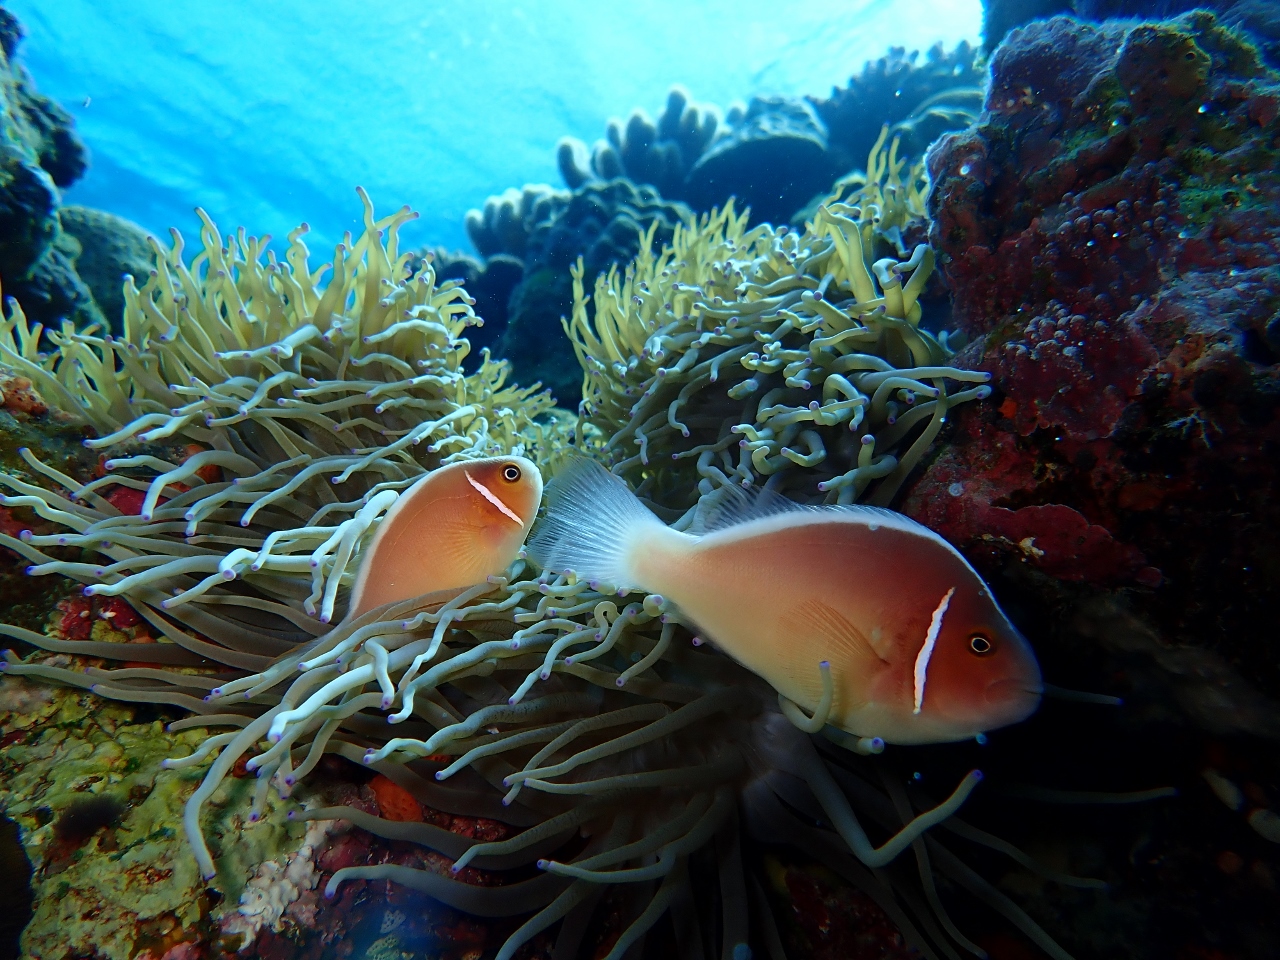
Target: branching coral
737,356
587,720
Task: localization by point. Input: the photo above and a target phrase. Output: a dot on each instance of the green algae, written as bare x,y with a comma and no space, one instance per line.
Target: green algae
133,884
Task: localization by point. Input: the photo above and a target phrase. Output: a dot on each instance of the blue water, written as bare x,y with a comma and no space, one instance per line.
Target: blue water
269,114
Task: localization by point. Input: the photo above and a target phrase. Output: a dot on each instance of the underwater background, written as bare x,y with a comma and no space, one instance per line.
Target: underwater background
270,116
1010,269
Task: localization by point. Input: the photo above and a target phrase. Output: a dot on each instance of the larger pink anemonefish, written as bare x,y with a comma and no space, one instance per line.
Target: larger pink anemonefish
918,649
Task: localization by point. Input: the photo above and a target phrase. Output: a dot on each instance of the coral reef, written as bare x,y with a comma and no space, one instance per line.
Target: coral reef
1108,231
625,755
1122,291
775,154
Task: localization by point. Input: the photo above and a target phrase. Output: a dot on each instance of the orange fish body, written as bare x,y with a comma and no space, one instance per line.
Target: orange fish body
919,650
453,528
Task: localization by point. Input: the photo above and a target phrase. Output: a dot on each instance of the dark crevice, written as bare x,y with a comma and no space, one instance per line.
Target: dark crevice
16,898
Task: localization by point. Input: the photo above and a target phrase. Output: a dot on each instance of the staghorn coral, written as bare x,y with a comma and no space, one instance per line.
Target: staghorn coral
737,356
586,722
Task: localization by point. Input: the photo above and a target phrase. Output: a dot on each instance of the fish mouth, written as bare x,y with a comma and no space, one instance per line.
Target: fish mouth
1017,698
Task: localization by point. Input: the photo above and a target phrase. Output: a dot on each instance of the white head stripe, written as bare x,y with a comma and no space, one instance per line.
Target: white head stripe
488,495
926,651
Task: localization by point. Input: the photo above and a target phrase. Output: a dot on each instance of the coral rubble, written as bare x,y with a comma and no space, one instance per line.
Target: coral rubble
1110,233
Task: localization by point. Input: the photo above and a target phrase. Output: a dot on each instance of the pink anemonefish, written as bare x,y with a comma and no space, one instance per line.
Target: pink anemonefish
918,649
454,527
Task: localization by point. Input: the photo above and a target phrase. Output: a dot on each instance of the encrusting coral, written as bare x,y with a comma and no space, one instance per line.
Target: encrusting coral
794,359
582,718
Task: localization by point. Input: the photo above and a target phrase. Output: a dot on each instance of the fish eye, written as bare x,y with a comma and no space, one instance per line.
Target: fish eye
980,644
511,473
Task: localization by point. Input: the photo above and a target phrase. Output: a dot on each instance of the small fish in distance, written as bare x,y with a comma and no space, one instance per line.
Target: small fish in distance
919,651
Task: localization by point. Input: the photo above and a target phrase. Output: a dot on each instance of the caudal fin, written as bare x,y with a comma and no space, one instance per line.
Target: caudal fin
591,525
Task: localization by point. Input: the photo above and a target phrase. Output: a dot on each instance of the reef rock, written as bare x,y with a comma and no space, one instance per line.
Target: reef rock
545,231
1260,18
39,152
109,247
1110,229
921,100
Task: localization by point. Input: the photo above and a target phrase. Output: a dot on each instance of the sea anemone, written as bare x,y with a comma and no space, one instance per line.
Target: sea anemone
259,410
592,722
786,358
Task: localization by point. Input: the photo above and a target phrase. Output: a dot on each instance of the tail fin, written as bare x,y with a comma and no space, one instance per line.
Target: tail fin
592,523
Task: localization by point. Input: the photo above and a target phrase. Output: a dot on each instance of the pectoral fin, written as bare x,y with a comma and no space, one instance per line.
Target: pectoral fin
832,637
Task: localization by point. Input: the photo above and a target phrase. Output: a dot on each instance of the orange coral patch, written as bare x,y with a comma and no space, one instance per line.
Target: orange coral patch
395,802
19,395
210,472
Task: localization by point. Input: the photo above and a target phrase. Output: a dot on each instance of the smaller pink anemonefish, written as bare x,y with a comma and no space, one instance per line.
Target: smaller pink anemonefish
453,528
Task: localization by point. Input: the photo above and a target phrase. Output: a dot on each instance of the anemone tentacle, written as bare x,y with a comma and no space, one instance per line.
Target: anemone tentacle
269,420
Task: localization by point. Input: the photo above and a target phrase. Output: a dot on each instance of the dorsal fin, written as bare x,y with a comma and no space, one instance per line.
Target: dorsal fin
734,505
